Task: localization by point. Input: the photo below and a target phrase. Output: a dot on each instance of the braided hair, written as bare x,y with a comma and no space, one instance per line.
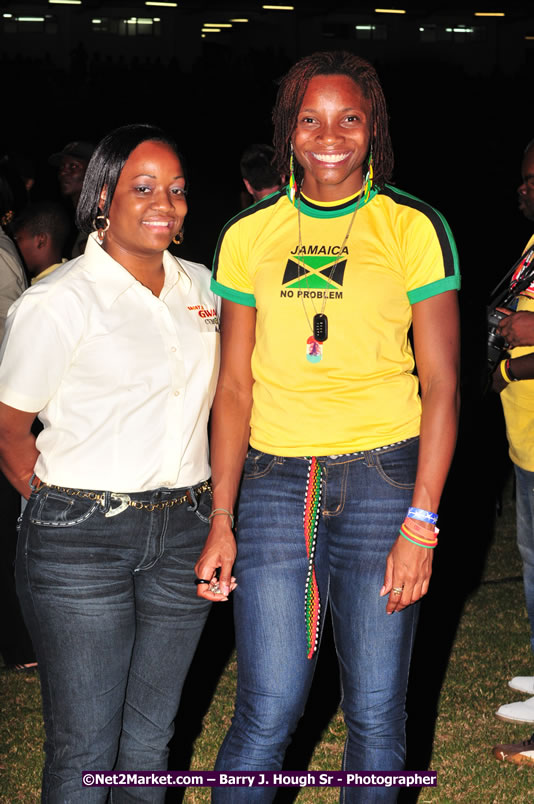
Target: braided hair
291,94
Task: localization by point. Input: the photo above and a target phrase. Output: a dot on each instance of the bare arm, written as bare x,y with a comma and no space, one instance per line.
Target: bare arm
18,452
230,429
436,341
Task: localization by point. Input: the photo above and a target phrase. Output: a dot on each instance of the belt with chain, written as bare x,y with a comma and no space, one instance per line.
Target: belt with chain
125,500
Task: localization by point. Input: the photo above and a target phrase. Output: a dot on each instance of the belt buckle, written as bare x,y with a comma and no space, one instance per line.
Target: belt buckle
124,501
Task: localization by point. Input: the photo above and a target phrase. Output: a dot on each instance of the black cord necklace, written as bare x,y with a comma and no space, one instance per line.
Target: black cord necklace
319,327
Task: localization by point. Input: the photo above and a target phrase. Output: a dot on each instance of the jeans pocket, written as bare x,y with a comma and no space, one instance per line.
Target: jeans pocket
258,464
398,466
55,509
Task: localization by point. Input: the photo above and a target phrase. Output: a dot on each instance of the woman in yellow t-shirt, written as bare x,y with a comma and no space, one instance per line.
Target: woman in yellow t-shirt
321,385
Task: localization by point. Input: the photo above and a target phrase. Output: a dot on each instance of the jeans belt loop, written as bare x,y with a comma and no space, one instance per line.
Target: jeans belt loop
31,483
370,458
193,499
106,502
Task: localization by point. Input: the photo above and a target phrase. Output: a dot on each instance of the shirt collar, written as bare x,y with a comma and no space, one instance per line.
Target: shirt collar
112,279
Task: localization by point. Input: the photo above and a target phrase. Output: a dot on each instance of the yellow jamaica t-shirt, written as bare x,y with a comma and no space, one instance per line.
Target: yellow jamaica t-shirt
359,392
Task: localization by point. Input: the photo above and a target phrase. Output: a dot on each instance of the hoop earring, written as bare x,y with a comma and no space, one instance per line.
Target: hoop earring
368,184
179,238
101,230
292,180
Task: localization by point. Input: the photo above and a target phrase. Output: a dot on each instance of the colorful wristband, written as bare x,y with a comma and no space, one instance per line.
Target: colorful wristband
503,367
419,530
419,544
422,515
416,534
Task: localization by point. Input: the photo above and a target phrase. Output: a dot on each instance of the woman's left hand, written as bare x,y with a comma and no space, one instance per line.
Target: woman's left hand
409,568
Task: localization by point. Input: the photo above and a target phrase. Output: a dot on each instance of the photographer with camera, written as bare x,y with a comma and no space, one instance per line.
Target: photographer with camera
517,329
513,378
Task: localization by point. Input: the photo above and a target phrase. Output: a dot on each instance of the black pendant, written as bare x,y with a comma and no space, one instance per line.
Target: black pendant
320,327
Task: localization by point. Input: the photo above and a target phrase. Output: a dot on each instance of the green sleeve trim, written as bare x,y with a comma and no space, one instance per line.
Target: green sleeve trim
246,299
434,288
445,236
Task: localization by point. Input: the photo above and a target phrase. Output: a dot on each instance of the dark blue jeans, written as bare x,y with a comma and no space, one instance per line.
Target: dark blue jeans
525,536
365,499
111,606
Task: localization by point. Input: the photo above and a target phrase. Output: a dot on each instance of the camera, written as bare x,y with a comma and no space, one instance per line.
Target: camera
496,342
518,279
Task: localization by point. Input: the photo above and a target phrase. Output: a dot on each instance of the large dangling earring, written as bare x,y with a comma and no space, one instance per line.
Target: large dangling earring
179,238
369,177
7,218
101,230
292,180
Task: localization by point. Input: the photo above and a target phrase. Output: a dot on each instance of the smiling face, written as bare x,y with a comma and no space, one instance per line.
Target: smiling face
525,191
331,139
148,206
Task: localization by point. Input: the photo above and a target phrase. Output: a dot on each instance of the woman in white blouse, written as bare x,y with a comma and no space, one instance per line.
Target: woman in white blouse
117,353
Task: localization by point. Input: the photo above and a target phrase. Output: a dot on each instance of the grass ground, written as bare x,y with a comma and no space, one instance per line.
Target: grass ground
469,644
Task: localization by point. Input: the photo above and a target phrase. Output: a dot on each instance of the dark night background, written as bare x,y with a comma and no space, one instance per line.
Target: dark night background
459,90
460,103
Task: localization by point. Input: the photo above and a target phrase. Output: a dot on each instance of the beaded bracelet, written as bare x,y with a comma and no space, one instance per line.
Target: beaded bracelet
219,511
416,534
422,515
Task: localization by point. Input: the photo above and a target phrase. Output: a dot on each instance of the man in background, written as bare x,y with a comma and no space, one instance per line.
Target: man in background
71,163
514,380
259,176
41,233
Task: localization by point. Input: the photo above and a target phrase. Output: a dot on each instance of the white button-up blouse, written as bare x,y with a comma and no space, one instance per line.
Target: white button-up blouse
122,380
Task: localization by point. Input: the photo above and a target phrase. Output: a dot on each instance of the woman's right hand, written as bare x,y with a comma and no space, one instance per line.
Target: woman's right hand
218,555
230,431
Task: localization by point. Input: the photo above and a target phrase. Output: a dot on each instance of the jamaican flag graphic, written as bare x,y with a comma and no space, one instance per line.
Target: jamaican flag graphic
314,273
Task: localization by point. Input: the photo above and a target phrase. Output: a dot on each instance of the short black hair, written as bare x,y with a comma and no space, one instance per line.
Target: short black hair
257,168
45,217
106,165
291,93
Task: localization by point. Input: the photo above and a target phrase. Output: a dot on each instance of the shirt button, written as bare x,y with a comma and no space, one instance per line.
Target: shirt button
177,393
173,348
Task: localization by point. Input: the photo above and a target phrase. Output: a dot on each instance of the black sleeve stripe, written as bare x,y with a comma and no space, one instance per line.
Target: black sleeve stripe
444,235
263,204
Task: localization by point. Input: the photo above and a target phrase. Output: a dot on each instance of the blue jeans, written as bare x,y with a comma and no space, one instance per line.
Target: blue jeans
525,536
365,498
111,606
